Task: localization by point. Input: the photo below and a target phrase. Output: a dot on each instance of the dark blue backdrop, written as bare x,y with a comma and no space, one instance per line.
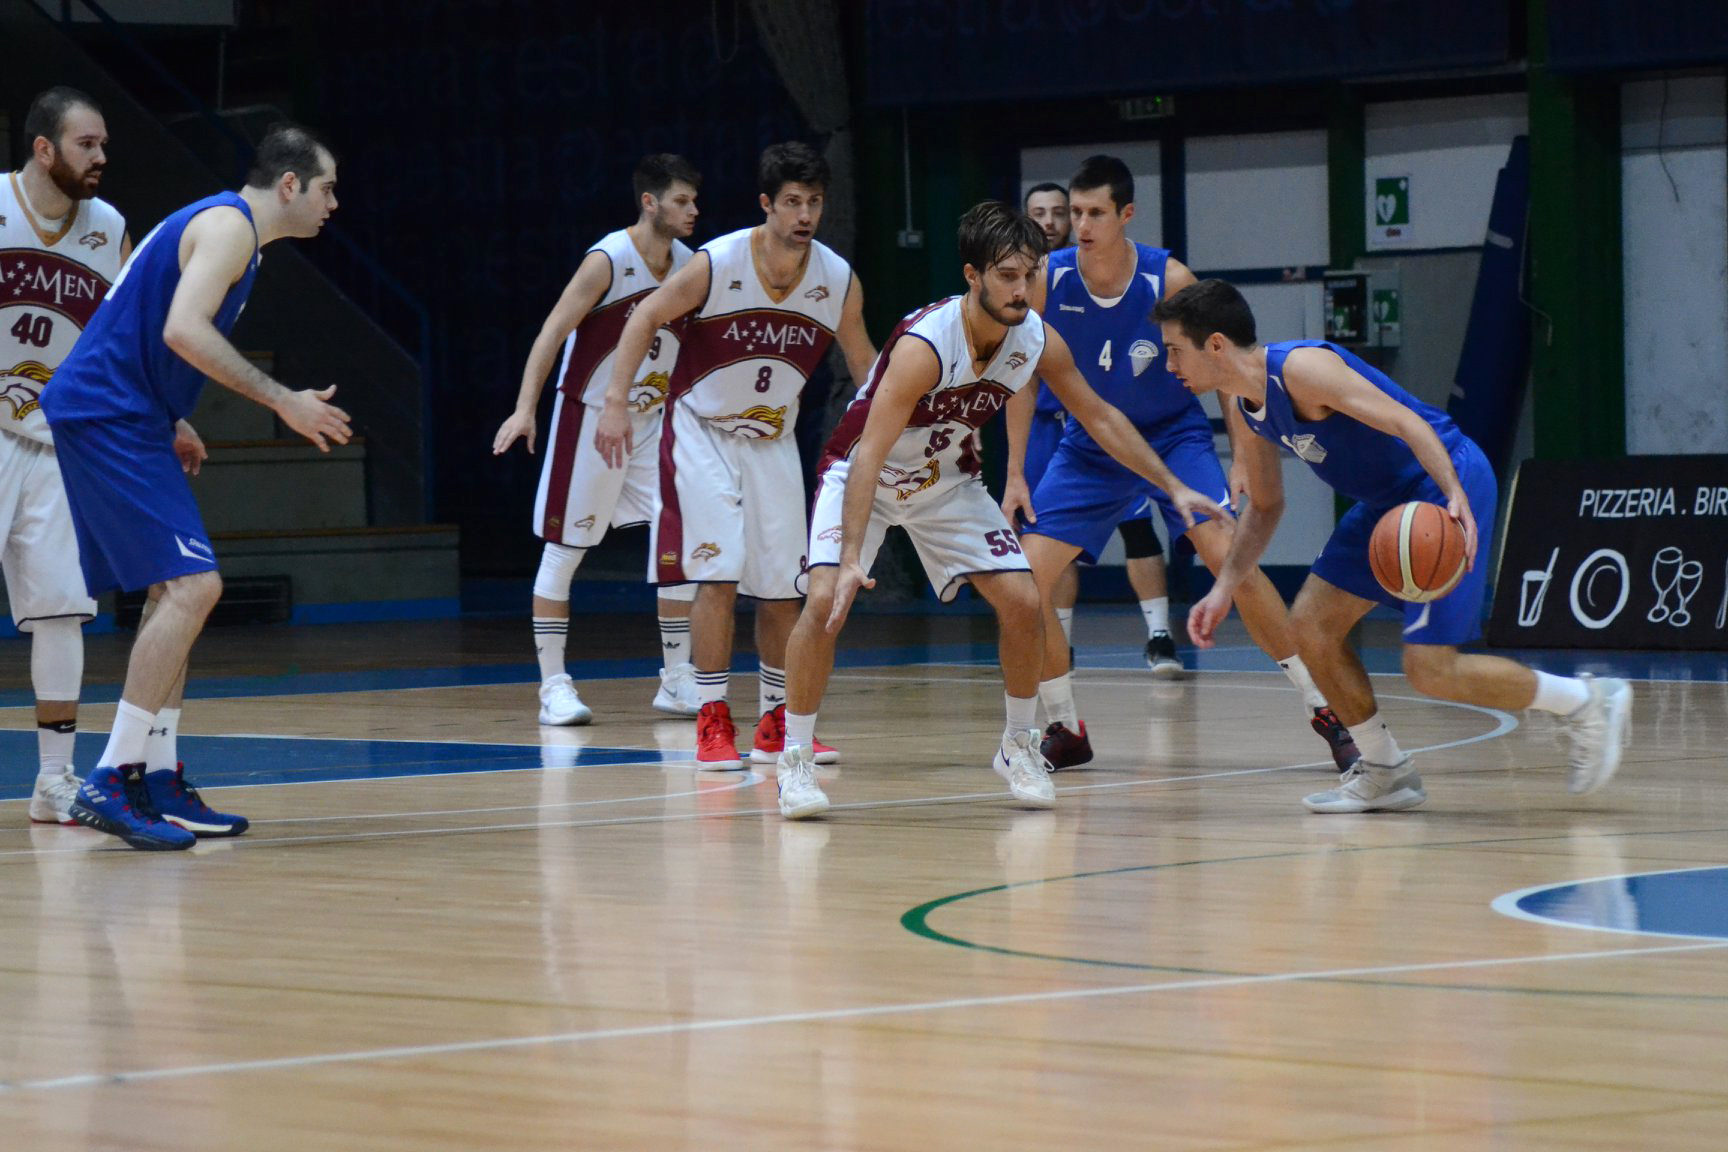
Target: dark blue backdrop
932,50
485,144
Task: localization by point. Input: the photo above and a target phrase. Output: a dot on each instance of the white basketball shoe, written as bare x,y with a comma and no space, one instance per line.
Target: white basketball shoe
1372,788
1020,762
677,694
559,704
800,795
51,802
1600,731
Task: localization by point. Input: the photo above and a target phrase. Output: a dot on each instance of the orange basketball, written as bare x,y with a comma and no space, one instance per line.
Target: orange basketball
1417,552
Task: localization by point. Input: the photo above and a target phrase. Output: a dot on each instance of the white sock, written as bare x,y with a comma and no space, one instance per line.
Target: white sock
1157,613
770,688
1298,673
160,749
674,640
711,686
800,728
549,635
1561,695
1374,741
1058,697
1065,617
126,738
1022,712
54,740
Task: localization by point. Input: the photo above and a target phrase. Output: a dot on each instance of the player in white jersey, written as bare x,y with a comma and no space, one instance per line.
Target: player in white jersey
579,495
905,454
60,249
762,306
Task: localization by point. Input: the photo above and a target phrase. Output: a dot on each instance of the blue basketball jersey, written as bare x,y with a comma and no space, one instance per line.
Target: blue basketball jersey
1118,348
1358,461
121,366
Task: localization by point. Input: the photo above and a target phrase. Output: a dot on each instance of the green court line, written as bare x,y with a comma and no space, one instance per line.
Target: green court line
916,920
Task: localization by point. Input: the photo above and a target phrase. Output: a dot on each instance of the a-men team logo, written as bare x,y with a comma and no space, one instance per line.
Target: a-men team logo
907,484
706,550
21,387
818,293
758,422
649,392
778,336
830,534
969,404
93,240
1015,359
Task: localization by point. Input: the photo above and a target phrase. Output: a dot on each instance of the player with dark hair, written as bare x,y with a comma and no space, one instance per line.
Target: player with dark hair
117,409
1047,204
60,248
1380,446
1099,296
904,453
760,308
580,496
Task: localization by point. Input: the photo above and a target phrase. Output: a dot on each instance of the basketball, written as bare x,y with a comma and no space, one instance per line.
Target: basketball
1417,552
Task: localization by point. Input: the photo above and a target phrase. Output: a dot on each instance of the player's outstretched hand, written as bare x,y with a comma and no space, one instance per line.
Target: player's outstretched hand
1459,509
189,447
1204,617
1017,501
612,437
519,425
312,415
1192,504
851,578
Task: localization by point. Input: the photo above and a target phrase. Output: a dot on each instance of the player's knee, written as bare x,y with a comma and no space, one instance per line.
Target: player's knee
1430,668
558,564
1017,603
196,593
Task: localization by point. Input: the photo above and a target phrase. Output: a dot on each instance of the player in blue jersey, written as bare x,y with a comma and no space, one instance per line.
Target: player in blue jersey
118,409
1378,445
1047,204
1099,296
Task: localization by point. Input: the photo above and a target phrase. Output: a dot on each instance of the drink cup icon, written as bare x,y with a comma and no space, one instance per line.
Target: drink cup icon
1534,590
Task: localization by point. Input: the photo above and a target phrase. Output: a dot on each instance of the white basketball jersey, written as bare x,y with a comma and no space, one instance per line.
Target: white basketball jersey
746,357
938,448
588,351
51,280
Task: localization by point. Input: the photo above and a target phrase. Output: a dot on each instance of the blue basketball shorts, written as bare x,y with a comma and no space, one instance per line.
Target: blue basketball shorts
1085,493
1041,445
1455,618
132,508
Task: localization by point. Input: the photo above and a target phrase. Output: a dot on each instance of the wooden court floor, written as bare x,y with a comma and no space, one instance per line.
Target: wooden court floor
451,929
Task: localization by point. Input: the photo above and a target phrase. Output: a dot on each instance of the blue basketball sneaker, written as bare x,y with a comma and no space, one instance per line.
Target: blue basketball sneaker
179,803
117,801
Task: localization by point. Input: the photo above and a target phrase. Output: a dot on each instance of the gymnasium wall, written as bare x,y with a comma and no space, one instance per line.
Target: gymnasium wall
1674,181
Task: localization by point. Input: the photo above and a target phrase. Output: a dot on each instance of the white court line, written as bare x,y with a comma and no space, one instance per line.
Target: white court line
1506,723
690,1027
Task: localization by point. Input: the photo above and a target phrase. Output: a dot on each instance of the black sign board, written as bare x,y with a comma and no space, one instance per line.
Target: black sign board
1626,553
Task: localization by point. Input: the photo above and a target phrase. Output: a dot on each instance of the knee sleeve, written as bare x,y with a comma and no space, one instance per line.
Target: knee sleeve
1139,542
685,593
56,658
557,567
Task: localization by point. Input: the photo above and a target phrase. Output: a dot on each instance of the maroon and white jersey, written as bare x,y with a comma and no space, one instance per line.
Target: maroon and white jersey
938,450
51,280
588,351
746,357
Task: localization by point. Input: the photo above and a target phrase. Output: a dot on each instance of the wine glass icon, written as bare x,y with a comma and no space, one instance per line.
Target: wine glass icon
1672,573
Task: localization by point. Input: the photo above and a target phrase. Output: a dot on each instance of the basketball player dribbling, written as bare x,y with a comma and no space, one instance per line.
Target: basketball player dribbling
580,496
1099,295
1376,444
60,249
763,305
117,408
904,453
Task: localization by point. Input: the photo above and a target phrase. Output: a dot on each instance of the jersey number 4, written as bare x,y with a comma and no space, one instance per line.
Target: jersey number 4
1104,359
